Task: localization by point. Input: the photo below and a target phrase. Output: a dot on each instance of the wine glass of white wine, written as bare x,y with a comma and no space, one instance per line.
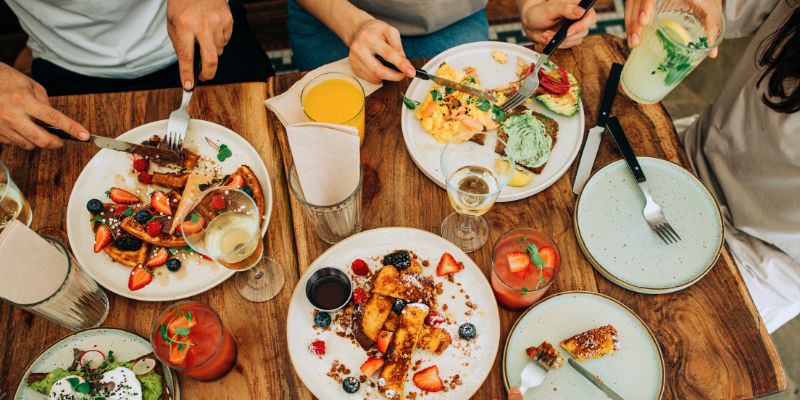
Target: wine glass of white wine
475,170
224,224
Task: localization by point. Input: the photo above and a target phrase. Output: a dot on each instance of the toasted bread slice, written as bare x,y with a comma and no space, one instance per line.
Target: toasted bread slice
165,239
551,128
172,180
398,358
411,287
546,355
593,343
251,180
369,318
392,323
187,159
435,340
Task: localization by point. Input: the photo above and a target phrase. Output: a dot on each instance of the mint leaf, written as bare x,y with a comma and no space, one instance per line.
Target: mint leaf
195,218
483,104
436,95
173,250
163,332
110,357
410,104
83,388
183,331
97,218
224,152
73,382
536,259
189,316
498,114
128,212
448,90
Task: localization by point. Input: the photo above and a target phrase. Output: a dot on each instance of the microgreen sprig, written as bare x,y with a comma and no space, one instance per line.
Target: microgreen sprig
536,260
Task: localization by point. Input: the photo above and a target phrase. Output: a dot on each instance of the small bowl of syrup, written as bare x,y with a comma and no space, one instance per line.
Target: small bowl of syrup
328,289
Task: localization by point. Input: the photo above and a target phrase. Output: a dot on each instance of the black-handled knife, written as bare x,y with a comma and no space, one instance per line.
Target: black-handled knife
625,148
425,75
562,32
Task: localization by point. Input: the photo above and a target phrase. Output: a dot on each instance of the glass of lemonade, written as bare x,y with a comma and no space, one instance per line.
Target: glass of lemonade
673,44
474,174
335,98
524,264
224,225
12,203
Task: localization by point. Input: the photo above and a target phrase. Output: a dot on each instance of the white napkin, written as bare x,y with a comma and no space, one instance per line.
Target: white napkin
287,106
327,160
32,269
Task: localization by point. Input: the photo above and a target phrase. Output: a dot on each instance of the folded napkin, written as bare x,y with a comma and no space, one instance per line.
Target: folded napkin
32,268
287,106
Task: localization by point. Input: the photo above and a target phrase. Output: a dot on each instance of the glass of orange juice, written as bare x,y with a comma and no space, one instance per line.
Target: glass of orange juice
335,98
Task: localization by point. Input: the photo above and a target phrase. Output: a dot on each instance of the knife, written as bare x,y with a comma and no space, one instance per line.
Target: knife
167,156
425,75
595,134
594,380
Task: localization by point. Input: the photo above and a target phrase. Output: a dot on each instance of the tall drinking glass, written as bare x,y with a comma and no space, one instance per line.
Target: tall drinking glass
12,203
680,36
475,173
524,264
335,98
224,224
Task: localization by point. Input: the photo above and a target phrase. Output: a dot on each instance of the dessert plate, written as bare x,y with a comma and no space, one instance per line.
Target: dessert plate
464,365
635,371
111,168
618,242
126,346
425,150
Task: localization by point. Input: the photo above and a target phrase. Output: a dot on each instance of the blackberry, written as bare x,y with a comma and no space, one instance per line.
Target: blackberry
350,384
398,305
173,264
247,189
399,259
203,186
143,216
322,319
467,331
128,243
94,206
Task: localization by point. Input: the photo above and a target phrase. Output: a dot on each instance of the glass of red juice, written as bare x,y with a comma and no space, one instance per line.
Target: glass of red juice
524,264
190,337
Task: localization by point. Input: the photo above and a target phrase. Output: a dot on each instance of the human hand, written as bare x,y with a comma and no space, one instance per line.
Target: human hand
377,37
541,20
209,23
515,394
21,101
640,13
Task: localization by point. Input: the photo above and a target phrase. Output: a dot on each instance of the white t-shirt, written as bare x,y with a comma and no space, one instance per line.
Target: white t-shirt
100,38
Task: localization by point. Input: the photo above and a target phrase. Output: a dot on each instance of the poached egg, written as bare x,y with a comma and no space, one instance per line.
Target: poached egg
63,390
126,386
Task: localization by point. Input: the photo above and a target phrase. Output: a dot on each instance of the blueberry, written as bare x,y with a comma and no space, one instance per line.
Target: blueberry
173,264
322,319
143,216
350,384
94,206
204,186
128,243
247,189
398,305
467,331
399,259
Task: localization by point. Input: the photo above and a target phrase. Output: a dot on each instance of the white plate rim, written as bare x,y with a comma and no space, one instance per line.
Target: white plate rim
522,194
643,289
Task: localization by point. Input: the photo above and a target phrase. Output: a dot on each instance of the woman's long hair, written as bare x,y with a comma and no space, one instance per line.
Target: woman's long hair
781,57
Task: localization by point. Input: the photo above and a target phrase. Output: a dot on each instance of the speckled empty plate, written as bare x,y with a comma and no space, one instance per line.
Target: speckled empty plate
635,371
620,244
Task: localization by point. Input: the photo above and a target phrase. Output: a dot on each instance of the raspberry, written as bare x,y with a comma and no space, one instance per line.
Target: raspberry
218,203
145,178
434,319
119,210
360,267
140,164
359,296
317,347
153,228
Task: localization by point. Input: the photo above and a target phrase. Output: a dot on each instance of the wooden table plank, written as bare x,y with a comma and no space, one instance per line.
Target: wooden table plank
714,343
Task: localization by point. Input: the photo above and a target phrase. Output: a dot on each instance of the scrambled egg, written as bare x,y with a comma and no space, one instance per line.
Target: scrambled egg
499,56
454,113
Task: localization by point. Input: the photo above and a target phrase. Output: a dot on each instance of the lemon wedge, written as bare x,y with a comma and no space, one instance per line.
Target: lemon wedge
520,178
676,29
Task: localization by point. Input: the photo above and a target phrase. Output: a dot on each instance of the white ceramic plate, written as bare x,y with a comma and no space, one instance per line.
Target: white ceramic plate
377,242
125,345
424,149
618,242
635,371
111,168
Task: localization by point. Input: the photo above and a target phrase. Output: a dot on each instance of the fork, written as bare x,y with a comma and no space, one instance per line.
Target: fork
531,83
179,119
652,212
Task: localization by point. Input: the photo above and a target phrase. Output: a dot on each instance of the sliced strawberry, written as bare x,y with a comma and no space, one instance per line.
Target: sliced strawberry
384,339
428,379
139,278
160,202
193,227
181,321
119,210
154,227
434,319
236,181
122,197
448,265
317,347
218,203
159,259
140,164
145,178
371,366
359,296
519,263
548,254
101,238
360,267
178,352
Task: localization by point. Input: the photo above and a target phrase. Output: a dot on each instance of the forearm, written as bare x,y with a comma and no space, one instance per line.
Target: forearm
340,16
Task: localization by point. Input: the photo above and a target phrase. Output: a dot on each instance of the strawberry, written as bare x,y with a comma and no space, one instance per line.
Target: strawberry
122,197
159,259
140,164
119,210
189,226
448,265
434,319
139,278
236,181
384,339
519,263
178,352
317,347
371,366
428,379
154,227
359,296
181,321
218,203
160,202
145,178
101,238
360,267
548,254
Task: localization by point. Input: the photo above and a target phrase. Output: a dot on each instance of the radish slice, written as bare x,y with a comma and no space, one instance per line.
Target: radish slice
92,359
144,366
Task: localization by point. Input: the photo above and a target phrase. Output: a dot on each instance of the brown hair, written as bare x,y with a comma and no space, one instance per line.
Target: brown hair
781,57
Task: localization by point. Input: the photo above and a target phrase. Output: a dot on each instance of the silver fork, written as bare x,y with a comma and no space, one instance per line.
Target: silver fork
652,212
178,122
531,83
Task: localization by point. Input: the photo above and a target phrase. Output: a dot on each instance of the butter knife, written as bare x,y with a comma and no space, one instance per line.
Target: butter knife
425,75
594,380
595,134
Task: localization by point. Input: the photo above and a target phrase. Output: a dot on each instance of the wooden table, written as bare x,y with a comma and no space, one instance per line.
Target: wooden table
714,343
